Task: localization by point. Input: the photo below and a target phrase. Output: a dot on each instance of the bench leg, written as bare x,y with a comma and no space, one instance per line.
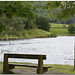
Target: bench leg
5,64
40,65
11,67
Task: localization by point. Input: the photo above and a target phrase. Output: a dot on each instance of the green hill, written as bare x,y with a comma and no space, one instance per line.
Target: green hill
31,33
59,29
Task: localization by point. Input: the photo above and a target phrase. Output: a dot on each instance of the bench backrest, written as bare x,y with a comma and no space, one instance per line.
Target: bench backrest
25,56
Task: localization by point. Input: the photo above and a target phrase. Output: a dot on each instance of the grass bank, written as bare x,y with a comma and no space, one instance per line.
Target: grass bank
59,25
60,29
32,33
56,69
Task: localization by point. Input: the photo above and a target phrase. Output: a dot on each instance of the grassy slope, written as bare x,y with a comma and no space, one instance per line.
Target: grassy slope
59,30
57,25
37,33
64,69
32,33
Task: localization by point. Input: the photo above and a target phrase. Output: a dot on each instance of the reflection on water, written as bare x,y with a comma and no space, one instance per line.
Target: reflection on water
58,50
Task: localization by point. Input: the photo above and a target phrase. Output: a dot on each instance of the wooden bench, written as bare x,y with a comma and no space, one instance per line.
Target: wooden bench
40,68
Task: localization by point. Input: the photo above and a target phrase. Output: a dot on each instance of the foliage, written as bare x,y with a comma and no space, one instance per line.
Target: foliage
53,35
2,27
23,34
29,24
13,26
62,21
9,9
64,25
17,8
43,23
61,9
71,29
69,21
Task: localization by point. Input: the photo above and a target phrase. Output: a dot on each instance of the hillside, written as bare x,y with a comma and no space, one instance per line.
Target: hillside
59,29
32,33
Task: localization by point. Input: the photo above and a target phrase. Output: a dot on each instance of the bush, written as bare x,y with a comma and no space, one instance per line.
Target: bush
2,27
42,23
64,25
29,24
53,35
71,29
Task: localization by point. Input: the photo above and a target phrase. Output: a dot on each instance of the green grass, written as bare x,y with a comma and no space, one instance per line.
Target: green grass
59,31
36,33
57,69
32,33
64,69
57,25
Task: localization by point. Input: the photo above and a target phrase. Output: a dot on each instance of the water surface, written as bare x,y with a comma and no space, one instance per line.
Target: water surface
58,50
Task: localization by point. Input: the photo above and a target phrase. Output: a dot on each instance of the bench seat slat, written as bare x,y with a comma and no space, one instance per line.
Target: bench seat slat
26,56
27,65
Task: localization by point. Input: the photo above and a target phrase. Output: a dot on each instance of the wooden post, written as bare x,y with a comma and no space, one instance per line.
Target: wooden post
5,64
40,65
74,56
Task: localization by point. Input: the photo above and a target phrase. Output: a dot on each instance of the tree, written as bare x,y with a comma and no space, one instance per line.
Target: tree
2,27
27,24
43,23
17,8
71,29
10,9
61,9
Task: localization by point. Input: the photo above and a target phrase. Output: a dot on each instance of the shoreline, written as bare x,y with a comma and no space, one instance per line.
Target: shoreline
20,38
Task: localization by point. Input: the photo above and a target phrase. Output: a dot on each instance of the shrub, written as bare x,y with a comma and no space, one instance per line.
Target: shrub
2,27
71,29
53,35
64,25
29,24
42,23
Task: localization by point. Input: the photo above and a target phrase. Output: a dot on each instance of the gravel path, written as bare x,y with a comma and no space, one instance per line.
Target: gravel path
0,71
32,71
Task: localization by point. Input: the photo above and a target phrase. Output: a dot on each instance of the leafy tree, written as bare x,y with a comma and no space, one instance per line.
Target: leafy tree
10,9
69,21
62,9
43,23
17,8
2,27
27,24
71,29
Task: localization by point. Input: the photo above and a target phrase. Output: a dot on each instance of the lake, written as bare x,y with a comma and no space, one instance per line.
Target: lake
58,50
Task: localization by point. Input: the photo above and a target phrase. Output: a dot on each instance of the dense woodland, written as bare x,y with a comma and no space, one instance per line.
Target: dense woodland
17,16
